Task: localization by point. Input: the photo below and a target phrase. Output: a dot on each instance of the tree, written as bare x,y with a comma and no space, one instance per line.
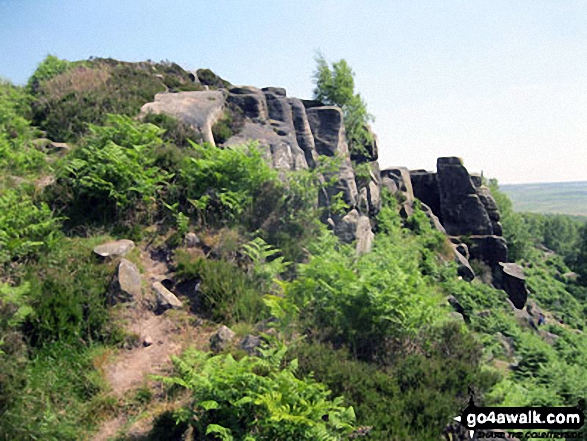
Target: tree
335,86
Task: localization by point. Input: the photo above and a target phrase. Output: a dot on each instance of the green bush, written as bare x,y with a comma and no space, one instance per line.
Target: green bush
27,229
68,294
226,293
112,174
223,185
176,132
17,155
415,396
49,68
257,399
335,86
369,302
54,398
66,104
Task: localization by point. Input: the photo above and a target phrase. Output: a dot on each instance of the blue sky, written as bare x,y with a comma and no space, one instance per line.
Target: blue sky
502,84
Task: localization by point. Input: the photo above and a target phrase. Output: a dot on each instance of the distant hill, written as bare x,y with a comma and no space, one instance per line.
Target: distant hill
553,197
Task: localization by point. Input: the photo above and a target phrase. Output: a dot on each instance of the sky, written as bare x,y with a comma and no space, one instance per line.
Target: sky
502,84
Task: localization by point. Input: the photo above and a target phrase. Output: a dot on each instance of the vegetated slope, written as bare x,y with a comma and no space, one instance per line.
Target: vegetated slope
553,197
328,343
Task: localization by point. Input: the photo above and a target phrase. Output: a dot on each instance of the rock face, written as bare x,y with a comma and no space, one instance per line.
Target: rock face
459,205
115,248
200,110
293,134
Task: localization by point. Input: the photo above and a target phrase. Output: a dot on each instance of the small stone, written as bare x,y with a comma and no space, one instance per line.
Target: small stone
222,338
251,344
191,240
115,248
147,341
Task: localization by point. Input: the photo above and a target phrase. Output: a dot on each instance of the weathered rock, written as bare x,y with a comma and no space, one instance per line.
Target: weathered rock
364,235
165,298
327,127
251,344
47,146
303,132
462,211
374,198
251,100
399,178
221,339
490,249
278,106
434,221
452,301
425,188
115,248
514,284
281,150
463,249
464,268
200,110
129,281
346,227
191,240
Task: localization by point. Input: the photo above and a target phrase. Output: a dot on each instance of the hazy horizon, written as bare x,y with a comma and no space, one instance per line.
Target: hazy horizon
500,84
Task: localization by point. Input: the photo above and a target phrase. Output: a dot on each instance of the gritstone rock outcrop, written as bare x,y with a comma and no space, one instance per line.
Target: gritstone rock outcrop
293,134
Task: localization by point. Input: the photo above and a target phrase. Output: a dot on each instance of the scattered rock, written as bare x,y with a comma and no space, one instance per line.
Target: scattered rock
165,298
147,341
127,283
251,344
115,248
191,240
222,339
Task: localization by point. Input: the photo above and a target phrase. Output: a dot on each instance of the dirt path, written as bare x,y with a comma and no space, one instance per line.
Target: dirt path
131,369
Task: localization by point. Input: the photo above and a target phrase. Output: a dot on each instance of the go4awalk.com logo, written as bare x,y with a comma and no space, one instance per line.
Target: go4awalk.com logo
479,419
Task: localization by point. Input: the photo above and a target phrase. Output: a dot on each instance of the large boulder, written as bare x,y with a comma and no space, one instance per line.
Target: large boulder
114,248
251,101
398,179
326,124
165,298
514,284
199,110
425,188
128,283
276,141
489,249
462,211
327,128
